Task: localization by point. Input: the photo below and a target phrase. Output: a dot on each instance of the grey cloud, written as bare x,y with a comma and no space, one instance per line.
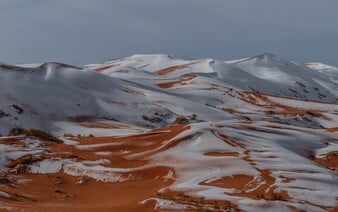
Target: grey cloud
86,31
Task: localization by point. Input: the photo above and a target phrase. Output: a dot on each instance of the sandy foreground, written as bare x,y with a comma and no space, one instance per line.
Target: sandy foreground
64,192
135,181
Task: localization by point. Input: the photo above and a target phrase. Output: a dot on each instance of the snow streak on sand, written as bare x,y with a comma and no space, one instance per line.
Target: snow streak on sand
168,133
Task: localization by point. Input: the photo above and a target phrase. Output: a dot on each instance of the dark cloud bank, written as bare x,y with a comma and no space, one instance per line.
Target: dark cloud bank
87,31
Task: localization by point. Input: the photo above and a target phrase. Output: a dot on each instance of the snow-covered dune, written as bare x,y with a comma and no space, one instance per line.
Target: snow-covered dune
264,73
170,133
36,97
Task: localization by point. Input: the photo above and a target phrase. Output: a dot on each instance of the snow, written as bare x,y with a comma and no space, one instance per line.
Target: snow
47,166
273,112
64,127
98,172
69,92
104,153
166,204
321,67
331,148
8,153
4,194
290,147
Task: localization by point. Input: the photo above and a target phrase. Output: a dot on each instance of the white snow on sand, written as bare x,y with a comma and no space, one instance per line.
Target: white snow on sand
266,112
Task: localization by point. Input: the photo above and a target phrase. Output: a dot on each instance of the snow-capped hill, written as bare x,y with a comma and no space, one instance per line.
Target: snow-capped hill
52,92
270,74
147,62
330,71
36,97
151,90
265,73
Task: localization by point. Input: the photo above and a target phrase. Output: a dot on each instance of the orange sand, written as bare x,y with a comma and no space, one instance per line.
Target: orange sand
174,68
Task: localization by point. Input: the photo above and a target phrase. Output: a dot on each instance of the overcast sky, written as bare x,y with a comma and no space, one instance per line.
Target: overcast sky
88,31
